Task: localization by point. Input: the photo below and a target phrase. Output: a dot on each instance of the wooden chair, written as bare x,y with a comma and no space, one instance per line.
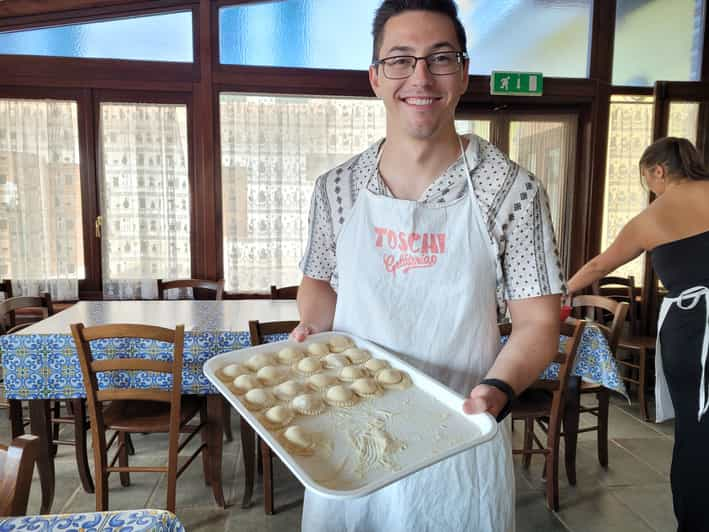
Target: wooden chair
75,408
137,409
543,404
215,286
6,288
285,292
609,316
218,288
16,467
638,347
249,441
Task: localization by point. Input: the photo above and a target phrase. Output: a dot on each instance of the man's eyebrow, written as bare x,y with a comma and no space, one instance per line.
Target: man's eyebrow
410,50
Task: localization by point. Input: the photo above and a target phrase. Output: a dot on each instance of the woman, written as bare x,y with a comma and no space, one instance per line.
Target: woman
675,230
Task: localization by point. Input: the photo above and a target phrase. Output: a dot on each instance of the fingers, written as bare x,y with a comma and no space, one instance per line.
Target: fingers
475,405
301,332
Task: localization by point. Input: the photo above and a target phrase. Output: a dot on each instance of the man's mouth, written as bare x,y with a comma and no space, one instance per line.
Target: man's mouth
418,101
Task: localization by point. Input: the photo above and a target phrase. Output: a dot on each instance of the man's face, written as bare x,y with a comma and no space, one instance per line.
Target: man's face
421,105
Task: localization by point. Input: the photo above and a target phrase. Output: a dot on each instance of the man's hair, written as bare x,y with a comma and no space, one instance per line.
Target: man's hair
390,8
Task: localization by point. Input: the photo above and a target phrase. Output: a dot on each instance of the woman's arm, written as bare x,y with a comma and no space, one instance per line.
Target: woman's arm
628,244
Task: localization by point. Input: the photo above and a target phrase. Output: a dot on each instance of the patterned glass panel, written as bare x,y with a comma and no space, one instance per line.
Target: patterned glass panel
41,241
165,37
311,34
683,120
629,133
658,40
273,149
144,197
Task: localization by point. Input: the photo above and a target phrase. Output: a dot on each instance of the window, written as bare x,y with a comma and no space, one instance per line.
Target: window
165,37
629,133
40,197
145,207
335,34
273,149
658,40
546,146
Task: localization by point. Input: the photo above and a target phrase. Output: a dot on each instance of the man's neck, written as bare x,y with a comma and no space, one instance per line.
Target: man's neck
409,166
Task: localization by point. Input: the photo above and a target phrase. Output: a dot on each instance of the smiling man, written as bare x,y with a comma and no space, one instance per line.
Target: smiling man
419,244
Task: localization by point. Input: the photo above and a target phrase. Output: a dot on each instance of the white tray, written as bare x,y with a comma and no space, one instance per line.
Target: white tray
427,417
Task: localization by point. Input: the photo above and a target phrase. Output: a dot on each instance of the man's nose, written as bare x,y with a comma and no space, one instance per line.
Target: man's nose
422,75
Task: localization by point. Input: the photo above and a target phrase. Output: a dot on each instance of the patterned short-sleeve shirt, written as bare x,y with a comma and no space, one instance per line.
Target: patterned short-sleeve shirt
513,202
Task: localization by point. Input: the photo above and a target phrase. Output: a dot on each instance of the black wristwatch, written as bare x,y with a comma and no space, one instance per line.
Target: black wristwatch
508,391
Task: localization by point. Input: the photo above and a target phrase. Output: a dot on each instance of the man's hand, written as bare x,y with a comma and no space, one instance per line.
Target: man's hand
485,398
301,332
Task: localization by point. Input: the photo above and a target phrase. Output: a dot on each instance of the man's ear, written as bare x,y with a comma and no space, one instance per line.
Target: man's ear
374,78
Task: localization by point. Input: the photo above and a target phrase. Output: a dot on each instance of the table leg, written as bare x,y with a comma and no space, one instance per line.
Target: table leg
248,449
215,419
41,426
571,425
17,427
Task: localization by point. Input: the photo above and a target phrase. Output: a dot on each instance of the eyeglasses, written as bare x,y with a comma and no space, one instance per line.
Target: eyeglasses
439,64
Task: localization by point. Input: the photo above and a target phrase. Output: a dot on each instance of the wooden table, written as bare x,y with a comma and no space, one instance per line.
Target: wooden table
40,362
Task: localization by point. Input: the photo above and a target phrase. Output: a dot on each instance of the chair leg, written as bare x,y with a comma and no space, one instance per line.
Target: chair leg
78,409
204,436
129,444
552,477
267,457
602,436
259,458
228,435
528,439
248,443
123,459
642,377
571,426
17,425
101,479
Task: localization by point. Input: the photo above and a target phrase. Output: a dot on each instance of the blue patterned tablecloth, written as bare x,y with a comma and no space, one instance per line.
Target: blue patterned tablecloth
594,362
123,521
46,366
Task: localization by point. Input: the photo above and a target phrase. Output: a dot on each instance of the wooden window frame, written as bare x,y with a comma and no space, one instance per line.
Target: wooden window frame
205,78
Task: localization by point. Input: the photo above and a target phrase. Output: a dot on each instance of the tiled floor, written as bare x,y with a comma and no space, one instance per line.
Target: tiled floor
633,494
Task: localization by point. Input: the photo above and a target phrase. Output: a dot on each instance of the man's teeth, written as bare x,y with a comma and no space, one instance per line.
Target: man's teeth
419,101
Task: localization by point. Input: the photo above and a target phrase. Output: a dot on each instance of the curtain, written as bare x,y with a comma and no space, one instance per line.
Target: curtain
273,149
546,146
144,190
41,241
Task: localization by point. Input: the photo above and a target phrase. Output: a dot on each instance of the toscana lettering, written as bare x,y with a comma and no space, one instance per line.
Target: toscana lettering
410,250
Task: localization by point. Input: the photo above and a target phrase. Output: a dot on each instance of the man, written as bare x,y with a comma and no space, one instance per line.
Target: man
418,244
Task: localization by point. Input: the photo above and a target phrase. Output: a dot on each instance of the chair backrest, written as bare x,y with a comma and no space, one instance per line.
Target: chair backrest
9,306
259,329
565,357
596,307
285,292
91,367
621,289
216,286
16,467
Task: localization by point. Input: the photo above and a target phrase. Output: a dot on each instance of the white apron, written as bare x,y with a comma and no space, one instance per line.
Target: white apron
420,281
687,300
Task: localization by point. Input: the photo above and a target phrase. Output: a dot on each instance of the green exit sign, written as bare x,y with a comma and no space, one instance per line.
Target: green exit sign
516,83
